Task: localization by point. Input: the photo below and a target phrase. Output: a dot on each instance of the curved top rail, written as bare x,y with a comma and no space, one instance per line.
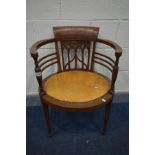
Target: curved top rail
75,32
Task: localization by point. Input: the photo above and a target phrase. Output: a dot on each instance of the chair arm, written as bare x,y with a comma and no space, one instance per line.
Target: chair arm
115,46
36,46
34,54
118,53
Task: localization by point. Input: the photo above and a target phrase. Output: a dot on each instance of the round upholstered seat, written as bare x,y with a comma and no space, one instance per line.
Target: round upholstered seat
76,86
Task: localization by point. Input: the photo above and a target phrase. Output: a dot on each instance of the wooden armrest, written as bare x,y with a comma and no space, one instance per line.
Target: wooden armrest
38,44
34,54
118,49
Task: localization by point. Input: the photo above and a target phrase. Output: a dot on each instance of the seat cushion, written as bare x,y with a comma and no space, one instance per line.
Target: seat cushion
76,86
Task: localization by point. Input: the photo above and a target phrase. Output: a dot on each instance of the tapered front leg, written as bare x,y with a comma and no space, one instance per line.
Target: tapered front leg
46,113
47,118
106,117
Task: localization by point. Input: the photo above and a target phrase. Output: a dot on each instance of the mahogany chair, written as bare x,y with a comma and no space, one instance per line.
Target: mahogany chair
76,86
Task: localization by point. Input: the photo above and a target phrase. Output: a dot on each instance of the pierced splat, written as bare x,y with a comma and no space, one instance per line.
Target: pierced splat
74,54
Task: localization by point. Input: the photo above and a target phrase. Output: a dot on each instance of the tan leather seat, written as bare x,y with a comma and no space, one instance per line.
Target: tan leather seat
76,86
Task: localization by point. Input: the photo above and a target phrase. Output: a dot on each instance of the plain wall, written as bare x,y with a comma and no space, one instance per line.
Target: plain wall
110,15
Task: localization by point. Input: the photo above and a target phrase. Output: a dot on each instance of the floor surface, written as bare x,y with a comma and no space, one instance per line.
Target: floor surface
78,133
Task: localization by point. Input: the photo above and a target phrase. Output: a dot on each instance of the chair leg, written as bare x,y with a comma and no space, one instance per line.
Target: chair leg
46,114
47,119
106,117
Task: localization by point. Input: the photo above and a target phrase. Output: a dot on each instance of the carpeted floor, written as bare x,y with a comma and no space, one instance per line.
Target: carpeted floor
78,133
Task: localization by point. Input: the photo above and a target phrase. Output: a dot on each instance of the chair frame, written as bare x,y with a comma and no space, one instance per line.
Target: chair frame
105,61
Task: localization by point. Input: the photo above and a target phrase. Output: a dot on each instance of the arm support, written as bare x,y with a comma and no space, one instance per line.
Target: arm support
34,54
118,53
